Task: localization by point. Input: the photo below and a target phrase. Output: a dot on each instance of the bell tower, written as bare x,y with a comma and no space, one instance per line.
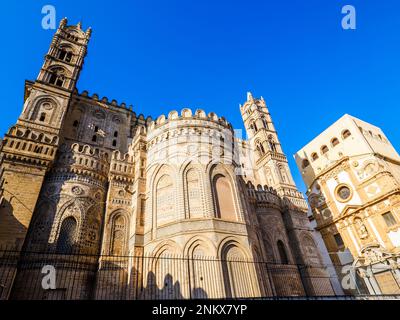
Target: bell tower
29,147
271,164
47,99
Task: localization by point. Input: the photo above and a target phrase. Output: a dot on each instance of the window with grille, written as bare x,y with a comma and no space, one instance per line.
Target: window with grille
66,237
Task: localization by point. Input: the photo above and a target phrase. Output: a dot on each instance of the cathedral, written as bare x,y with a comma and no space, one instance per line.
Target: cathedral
131,207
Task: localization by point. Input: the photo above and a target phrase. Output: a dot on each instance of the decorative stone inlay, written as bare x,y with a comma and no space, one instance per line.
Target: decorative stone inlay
76,190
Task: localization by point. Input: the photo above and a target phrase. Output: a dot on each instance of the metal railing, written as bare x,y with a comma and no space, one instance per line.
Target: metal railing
78,276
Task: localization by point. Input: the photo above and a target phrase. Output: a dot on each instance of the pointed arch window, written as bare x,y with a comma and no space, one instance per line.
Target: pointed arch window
67,235
260,149
57,77
272,144
253,126
118,236
282,252
224,201
65,54
265,123
193,194
165,200
324,149
233,269
283,174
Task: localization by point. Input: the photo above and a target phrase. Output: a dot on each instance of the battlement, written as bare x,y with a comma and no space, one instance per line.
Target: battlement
122,166
83,159
26,145
263,195
104,102
186,114
74,32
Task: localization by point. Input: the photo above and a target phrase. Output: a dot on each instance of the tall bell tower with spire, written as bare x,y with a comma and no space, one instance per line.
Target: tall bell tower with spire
271,169
56,80
270,163
30,146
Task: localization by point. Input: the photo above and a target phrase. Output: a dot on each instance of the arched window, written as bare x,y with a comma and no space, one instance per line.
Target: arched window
271,143
253,126
67,235
57,77
234,266
260,148
193,194
324,149
224,203
165,200
116,134
265,123
282,252
114,143
334,142
42,117
310,250
314,156
283,174
305,164
118,236
65,54
346,133
76,123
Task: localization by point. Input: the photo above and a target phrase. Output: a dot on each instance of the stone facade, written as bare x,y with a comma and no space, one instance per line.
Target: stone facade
352,173
89,175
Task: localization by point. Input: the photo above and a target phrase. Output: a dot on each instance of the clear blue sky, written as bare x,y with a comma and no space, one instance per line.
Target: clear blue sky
164,55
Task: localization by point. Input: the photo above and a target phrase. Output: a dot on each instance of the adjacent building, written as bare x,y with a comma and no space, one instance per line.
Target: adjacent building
352,173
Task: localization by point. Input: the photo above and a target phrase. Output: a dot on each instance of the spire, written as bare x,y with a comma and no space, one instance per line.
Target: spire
88,32
63,22
79,25
249,96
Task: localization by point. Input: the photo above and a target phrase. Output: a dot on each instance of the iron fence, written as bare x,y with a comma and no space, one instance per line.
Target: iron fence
78,276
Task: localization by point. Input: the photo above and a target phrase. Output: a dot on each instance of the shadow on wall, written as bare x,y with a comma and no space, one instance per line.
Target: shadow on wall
113,282
10,227
169,289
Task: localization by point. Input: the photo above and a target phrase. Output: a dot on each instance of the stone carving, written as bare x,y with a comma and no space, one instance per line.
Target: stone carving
77,190
372,255
194,196
98,114
361,228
